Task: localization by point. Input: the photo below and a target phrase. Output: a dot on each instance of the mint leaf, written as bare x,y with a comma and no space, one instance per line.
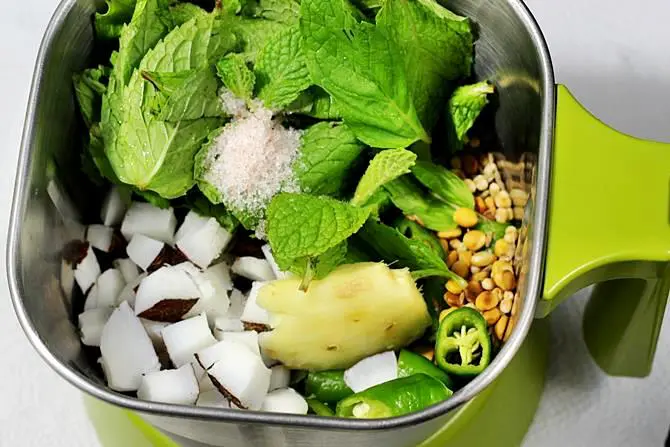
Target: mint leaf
153,198
185,95
281,11
465,105
315,102
327,153
280,70
323,264
444,184
159,155
183,12
386,166
150,22
416,232
96,150
200,169
89,87
236,76
108,25
412,201
396,249
300,225
363,71
436,45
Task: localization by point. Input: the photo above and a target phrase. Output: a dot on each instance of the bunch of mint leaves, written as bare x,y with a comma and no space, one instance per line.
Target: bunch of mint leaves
367,83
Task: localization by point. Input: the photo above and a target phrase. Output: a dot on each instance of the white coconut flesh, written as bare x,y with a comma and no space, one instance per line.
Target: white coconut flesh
267,252
204,383
224,324
91,298
87,271
371,371
246,338
213,298
280,378
142,250
285,400
113,208
127,351
240,375
154,330
166,295
255,269
91,324
100,237
109,287
212,398
128,268
173,386
219,276
185,338
253,313
237,302
201,239
128,292
151,221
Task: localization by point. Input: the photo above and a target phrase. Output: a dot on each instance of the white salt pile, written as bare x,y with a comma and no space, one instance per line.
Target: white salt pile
252,159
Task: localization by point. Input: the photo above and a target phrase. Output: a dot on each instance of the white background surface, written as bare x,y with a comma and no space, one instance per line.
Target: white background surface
613,55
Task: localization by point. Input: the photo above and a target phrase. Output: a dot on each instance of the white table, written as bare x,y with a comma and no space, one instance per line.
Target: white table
613,55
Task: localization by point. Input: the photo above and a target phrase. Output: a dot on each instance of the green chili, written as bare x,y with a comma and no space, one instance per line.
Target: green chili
410,363
327,386
319,408
463,344
394,398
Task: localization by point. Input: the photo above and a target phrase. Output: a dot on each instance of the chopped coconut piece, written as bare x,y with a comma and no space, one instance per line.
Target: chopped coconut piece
91,323
128,293
225,324
267,252
371,371
109,285
192,223
151,221
240,375
155,329
280,378
128,269
246,338
213,298
204,383
237,302
172,386
142,250
253,313
166,294
252,160
286,400
252,268
87,271
113,208
185,338
127,351
219,276
212,398
100,237
91,298
204,244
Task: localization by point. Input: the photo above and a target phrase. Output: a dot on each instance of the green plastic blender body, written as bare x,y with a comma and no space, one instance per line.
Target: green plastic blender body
609,223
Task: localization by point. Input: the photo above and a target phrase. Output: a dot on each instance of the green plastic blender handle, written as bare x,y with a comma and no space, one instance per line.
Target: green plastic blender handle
609,224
